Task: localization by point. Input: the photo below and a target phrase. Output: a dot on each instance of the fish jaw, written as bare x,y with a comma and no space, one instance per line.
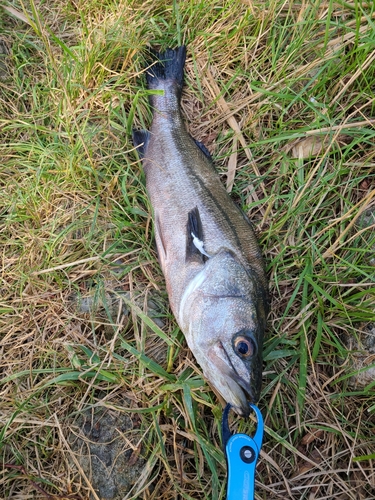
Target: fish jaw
237,384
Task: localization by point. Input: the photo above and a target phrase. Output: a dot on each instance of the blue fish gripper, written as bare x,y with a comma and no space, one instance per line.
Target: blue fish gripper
242,452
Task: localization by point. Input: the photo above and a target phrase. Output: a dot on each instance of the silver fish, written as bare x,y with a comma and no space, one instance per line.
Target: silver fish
208,252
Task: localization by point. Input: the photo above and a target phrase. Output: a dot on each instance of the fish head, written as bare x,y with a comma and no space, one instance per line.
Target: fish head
225,324
229,353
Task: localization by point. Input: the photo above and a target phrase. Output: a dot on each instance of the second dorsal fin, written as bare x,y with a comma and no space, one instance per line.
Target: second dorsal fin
203,148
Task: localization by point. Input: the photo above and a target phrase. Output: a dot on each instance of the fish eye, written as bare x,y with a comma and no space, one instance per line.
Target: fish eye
244,347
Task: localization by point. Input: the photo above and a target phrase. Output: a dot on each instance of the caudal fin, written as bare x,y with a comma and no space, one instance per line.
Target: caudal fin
169,66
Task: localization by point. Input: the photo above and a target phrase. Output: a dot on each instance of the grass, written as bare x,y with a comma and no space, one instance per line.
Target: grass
282,94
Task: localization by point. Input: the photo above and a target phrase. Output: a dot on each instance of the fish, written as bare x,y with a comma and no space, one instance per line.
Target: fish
209,254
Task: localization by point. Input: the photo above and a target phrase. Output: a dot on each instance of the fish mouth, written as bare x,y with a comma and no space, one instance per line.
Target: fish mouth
225,378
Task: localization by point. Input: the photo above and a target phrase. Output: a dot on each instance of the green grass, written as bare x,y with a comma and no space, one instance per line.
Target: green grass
75,227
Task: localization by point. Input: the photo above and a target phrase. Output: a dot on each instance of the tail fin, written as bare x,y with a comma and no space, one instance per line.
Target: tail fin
169,66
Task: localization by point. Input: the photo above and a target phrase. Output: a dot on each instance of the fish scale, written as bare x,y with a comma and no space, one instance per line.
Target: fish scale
219,294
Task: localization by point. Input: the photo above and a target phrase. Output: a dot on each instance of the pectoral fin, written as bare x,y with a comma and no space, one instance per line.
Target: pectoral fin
194,238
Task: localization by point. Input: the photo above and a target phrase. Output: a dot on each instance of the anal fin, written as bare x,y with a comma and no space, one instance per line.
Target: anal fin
140,140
